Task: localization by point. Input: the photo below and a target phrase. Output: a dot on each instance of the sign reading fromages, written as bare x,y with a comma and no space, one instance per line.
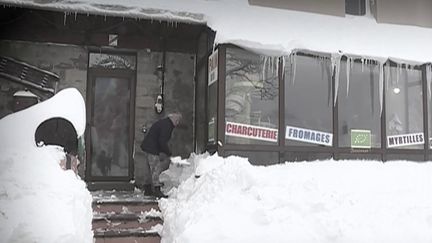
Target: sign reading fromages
251,132
309,136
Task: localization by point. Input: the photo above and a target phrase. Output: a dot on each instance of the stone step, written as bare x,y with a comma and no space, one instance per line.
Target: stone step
125,221
124,208
126,235
130,239
121,216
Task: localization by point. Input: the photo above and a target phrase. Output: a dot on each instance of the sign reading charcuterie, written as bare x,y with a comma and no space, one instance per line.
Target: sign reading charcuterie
251,132
405,139
309,136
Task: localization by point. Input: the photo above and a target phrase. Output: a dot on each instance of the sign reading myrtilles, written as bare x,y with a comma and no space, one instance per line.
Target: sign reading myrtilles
309,136
405,139
251,132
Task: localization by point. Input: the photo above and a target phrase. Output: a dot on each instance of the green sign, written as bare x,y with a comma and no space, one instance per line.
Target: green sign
360,138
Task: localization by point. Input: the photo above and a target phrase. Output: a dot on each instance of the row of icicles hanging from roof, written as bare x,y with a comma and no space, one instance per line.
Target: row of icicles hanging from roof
270,64
170,22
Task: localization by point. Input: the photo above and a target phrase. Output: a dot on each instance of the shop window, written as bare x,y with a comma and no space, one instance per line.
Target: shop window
404,108
359,105
251,98
212,112
429,100
308,101
213,62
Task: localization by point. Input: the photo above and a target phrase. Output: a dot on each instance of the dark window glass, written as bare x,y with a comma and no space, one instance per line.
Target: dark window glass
257,157
359,105
429,91
360,156
404,108
304,156
308,101
108,61
409,157
251,103
355,7
110,137
212,112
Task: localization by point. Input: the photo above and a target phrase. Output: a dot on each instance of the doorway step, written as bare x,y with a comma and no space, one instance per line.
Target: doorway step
125,217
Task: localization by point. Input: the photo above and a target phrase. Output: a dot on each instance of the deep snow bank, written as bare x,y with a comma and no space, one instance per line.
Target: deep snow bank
328,201
40,202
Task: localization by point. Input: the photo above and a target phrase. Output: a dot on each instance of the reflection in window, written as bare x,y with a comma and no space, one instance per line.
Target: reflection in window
108,61
251,102
109,133
404,108
212,112
308,101
359,108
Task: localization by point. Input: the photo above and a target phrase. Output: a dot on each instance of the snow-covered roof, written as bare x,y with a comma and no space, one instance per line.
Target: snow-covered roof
267,30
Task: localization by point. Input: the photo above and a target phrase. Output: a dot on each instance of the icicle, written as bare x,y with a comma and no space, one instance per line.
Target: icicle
64,19
105,18
75,15
335,63
362,65
387,75
398,69
429,78
348,70
293,67
264,67
283,67
321,63
381,86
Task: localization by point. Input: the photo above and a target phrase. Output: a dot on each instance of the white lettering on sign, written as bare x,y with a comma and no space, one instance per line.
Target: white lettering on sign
213,68
250,131
309,136
405,139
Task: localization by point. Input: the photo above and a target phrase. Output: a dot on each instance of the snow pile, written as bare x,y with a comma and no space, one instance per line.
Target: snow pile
40,202
323,201
18,129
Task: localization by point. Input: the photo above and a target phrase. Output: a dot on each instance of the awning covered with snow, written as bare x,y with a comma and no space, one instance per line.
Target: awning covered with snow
268,31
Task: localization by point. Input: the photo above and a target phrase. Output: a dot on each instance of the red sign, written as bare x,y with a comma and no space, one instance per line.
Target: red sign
251,132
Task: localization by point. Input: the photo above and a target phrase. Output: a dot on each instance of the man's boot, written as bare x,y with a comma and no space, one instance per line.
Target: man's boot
157,192
148,190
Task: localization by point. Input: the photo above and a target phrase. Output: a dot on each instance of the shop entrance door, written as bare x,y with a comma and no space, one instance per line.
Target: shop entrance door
110,127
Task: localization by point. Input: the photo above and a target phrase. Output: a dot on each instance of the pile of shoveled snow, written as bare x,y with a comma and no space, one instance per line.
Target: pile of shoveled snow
229,200
40,202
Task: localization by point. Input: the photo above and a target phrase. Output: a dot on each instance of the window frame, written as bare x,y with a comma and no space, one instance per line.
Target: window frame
316,151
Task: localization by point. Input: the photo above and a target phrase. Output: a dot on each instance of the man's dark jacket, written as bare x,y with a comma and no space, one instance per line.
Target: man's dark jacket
156,140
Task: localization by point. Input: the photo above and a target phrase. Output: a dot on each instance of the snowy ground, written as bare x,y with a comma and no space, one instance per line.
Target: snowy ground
40,202
323,201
